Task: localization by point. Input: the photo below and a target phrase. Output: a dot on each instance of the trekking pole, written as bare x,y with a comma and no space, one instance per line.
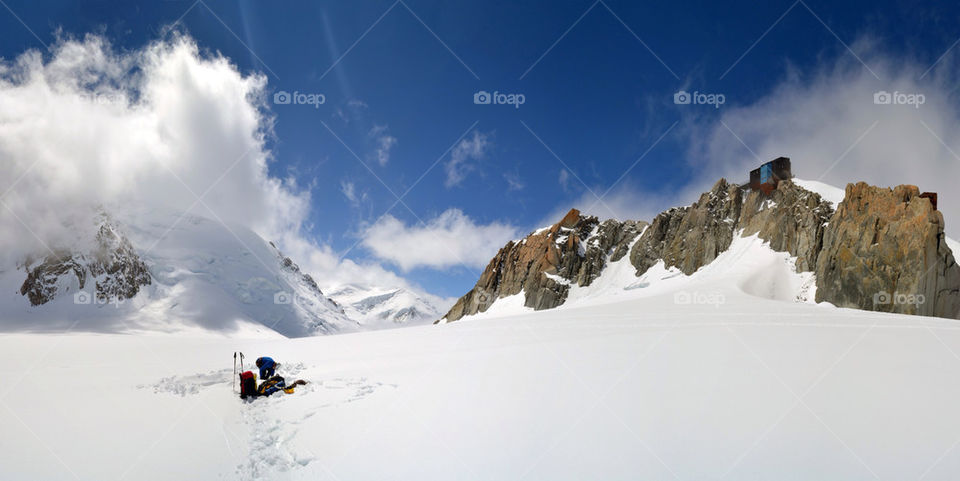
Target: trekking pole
234,370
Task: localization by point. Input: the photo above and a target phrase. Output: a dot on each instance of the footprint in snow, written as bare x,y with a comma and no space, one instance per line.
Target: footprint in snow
190,384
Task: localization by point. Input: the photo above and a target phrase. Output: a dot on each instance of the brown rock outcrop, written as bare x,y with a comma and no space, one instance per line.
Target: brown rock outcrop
880,247
547,262
884,250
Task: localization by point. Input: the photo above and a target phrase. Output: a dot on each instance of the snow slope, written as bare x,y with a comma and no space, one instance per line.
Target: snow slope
639,388
833,195
749,265
206,278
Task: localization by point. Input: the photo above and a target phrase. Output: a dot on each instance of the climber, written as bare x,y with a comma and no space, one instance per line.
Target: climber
267,367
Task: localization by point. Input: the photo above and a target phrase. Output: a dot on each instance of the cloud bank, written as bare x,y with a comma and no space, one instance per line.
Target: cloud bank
86,125
828,123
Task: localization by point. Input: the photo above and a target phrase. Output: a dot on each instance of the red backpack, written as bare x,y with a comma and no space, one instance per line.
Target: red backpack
248,384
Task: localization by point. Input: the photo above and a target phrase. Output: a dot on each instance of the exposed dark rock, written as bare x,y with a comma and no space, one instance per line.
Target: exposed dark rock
689,238
113,265
884,250
547,262
878,241
41,285
792,219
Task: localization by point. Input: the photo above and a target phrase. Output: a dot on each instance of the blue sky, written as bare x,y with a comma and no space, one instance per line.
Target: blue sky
598,80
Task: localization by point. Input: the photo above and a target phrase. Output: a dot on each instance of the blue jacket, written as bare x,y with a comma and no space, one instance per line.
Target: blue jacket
267,367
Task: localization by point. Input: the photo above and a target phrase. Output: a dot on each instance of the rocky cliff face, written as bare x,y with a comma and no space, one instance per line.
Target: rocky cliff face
878,241
544,264
885,250
690,237
112,265
791,219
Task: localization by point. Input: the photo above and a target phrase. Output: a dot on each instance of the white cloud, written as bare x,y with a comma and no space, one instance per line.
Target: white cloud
827,123
448,240
384,142
514,182
469,149
349,191
564,180
89,125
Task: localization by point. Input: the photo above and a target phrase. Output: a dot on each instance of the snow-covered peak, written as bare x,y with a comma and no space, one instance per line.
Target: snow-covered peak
377,307
201,275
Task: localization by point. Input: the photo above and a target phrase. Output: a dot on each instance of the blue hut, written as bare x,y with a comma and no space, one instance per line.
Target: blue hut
767,176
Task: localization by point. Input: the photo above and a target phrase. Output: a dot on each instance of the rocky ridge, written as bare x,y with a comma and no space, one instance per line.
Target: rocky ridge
877,241
112,265
543,265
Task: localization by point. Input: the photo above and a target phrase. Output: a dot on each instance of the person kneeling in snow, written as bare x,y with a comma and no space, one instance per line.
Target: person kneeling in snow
267,367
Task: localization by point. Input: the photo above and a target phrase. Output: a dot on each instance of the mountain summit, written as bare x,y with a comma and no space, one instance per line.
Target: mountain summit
877,246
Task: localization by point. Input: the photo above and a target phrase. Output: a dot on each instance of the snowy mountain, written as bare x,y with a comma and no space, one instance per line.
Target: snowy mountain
381,308
160,271
864,247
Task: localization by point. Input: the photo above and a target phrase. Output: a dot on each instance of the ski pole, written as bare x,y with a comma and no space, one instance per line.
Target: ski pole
235,381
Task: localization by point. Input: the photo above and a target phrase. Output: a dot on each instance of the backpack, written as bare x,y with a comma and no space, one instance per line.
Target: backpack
271,386
248,384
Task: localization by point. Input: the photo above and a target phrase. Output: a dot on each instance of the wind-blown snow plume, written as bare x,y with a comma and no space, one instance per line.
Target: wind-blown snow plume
835,130
167,125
